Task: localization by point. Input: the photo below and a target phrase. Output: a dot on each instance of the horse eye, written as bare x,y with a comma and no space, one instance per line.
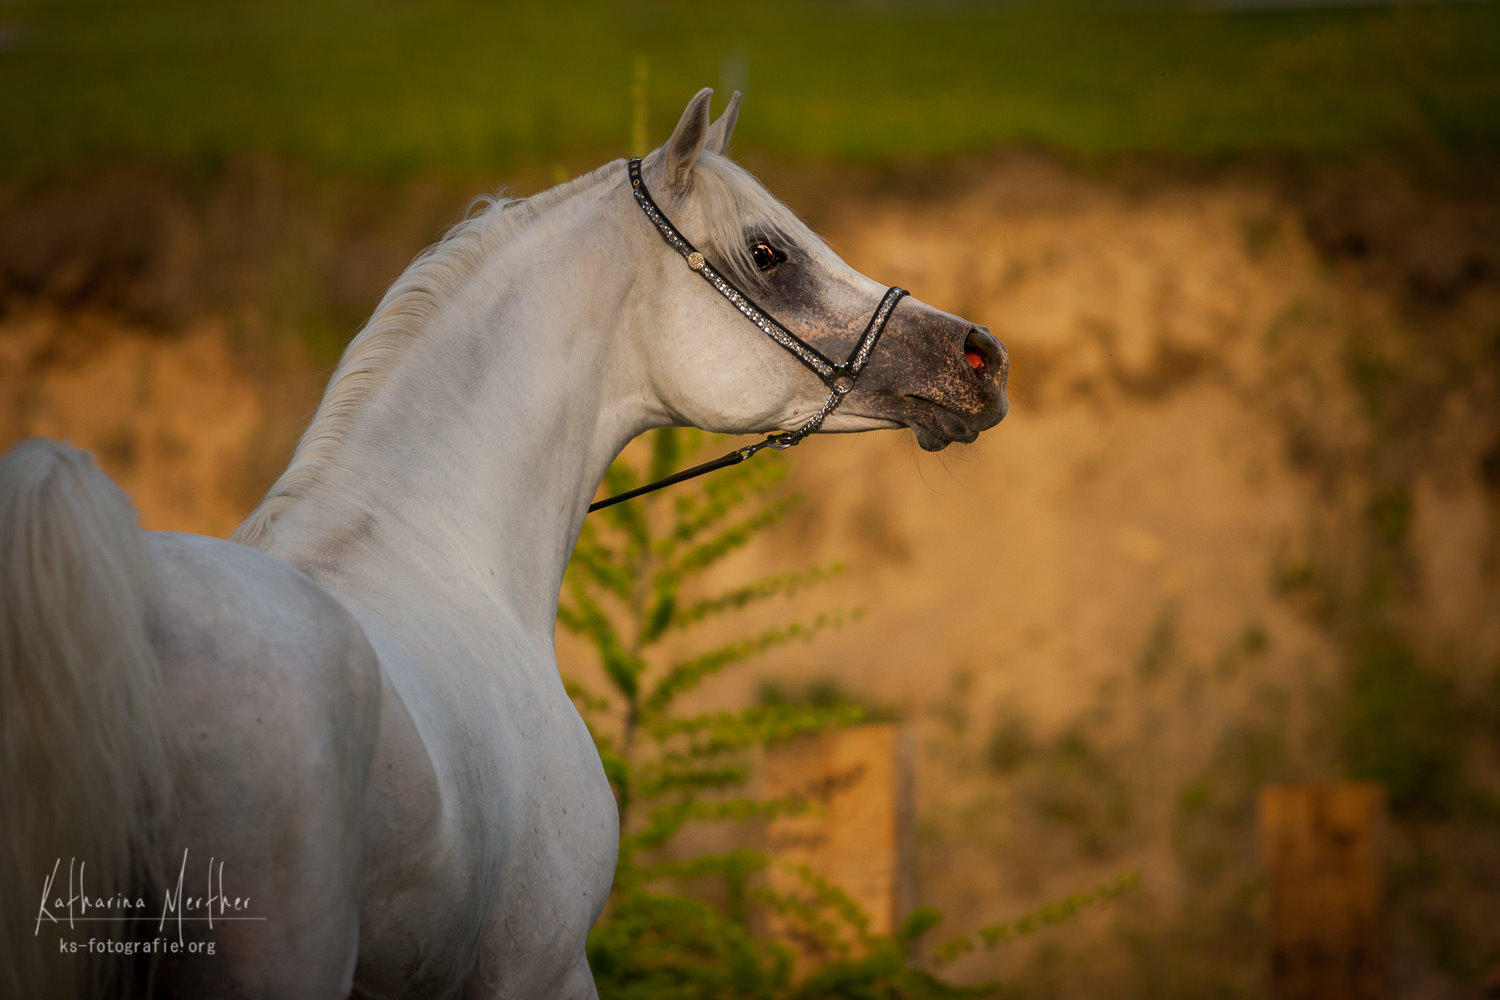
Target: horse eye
766,256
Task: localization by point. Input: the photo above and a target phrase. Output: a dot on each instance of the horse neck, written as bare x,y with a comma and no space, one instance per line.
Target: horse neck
467,474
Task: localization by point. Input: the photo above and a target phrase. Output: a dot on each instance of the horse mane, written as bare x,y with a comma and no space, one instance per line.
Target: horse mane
727,196
405,310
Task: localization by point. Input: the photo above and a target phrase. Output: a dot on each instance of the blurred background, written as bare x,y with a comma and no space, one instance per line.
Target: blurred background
1242,526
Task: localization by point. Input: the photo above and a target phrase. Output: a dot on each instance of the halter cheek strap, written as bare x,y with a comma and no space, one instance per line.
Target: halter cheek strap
838,376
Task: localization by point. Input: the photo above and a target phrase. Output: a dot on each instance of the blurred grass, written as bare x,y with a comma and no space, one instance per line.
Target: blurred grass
381,87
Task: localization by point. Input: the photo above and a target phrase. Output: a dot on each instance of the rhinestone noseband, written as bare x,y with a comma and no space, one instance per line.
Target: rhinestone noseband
838,376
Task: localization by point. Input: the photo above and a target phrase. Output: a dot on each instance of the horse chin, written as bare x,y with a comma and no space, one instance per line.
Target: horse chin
936,427
936,439
930,441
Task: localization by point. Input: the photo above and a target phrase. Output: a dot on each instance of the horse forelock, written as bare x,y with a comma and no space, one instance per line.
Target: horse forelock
734,207
403,313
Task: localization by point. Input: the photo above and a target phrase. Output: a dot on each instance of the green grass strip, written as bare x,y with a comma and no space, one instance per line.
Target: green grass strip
383,87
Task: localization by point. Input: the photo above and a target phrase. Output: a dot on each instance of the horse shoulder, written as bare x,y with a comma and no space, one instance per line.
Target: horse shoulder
273,693
493,828
242,634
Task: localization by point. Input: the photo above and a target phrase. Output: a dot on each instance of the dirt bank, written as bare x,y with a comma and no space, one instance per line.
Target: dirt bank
1255,436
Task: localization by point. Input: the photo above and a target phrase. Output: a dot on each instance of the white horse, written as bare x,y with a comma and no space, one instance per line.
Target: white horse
342,735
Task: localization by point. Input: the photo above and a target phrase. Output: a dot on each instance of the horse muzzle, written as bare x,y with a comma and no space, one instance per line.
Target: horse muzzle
939,375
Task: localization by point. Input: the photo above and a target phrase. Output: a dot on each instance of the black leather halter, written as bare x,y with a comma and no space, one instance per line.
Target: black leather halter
839,377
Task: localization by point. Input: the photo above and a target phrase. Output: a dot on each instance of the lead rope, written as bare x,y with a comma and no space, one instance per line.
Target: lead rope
780,442
838,377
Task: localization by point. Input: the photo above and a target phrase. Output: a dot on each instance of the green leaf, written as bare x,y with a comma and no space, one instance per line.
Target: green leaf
739,810
721,732
658,947
918,923
737,599
724,493
733,865
1052,913
600,564
622,667
629,518
663,823
811,918
668,446
664,604
616,768
688,674
831,897
662,781
588,703
667,819
571,619
707,553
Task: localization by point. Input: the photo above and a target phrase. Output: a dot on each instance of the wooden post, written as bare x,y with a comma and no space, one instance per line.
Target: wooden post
863,837
1322,854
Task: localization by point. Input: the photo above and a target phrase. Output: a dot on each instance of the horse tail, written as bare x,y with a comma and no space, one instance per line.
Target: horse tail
84,770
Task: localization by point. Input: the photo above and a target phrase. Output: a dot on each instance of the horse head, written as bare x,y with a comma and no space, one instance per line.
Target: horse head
883,359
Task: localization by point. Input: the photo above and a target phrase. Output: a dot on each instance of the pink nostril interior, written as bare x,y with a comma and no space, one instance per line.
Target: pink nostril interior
977,350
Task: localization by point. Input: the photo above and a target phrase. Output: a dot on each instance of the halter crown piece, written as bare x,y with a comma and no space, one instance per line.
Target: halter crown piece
839,377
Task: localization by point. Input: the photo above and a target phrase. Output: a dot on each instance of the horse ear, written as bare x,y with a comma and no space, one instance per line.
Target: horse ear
720,131
688,140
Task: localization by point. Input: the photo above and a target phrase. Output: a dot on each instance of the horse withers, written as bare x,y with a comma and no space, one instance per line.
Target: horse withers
333,755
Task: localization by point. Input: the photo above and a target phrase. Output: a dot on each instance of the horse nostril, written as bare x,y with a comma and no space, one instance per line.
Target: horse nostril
983,352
